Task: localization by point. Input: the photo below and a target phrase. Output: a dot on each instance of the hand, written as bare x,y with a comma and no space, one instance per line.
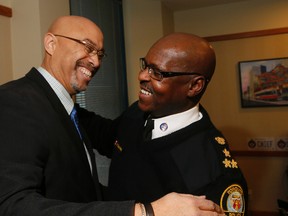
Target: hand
174,204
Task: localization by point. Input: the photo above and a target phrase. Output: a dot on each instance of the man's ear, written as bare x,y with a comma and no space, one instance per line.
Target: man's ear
196,86
49,43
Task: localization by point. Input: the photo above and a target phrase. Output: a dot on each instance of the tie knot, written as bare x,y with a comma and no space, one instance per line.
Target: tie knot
73,115
74,118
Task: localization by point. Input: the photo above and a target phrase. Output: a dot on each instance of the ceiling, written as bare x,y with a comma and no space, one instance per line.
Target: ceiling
178,5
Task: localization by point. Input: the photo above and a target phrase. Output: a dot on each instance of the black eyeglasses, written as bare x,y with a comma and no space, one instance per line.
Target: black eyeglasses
157,74
89,47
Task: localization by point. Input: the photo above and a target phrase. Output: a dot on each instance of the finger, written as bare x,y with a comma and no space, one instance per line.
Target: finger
218,209
209,206
190,195
200,197
204,204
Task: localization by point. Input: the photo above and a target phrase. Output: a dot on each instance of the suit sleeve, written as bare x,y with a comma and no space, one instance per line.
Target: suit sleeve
101,131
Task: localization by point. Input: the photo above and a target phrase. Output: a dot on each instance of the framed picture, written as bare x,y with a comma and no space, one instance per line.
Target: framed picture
264,83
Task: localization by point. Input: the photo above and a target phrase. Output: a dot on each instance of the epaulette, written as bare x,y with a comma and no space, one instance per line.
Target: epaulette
232,199
227,160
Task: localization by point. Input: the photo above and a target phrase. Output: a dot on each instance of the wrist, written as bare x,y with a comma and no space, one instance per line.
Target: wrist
139,209
145,209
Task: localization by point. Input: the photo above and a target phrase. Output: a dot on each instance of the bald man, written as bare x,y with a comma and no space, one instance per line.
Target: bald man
185,152
47,166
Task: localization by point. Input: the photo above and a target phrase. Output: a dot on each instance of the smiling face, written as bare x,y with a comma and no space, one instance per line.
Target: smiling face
165,97
175,53
69,60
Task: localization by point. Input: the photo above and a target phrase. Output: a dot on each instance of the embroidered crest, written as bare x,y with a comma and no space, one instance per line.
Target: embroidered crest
232,200
220,140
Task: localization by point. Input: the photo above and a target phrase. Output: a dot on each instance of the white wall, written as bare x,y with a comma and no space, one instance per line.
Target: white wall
5,44
244,16
143,26
26,37
29,22
6,3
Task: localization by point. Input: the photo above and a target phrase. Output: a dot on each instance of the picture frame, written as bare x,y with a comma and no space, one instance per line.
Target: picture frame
264,82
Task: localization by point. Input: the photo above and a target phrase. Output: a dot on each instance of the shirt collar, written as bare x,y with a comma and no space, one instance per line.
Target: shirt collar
169,124
59,90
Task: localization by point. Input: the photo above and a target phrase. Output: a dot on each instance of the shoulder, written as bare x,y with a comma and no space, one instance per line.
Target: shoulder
224,152
31,83
134,112
232,184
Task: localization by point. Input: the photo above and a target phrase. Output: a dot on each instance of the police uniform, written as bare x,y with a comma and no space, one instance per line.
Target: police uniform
195,159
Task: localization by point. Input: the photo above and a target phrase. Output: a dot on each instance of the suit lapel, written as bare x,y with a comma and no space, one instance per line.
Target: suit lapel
93,162
66,122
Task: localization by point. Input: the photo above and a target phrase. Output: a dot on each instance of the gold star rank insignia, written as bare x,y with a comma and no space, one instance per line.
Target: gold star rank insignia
234,164
227,163
226,152
220,140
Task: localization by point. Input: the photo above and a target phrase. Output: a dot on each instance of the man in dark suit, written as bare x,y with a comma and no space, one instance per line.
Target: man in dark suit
47,167
184,152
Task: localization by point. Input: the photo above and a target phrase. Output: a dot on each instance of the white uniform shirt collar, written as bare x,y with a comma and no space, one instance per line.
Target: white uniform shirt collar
169,124
59,90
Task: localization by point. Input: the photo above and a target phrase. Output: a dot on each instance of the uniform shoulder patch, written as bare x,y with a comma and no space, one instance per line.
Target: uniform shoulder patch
232,201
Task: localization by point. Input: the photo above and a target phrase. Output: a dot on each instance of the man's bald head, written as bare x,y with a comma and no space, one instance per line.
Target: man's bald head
74,26
189,52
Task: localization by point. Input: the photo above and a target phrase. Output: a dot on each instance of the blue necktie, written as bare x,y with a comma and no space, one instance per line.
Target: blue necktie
75,120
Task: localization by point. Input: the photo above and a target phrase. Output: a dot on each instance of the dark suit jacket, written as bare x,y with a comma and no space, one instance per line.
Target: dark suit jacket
43,165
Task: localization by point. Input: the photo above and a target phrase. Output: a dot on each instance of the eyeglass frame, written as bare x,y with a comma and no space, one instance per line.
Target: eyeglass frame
164,74
88,45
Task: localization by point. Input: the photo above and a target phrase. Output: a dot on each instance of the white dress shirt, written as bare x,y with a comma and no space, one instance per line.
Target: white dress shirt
64,97
169,124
